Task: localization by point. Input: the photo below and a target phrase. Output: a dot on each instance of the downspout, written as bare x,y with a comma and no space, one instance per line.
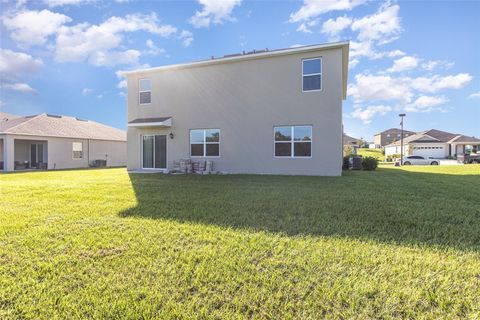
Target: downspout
88,150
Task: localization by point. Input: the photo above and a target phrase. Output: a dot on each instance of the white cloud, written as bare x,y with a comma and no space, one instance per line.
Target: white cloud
21,87
367,49
475,95
433,64
367,113
96,43
214,12
402,89
314,8
87,91
353,63
379,88
363,49
186,37
381,26
395,53
436,83
153,49
112,58
14,64
334,27
305,26
33,27
99,96
404,64
59,3
122,84
426,104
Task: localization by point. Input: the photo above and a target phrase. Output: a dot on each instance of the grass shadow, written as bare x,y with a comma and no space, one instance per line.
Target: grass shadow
388,205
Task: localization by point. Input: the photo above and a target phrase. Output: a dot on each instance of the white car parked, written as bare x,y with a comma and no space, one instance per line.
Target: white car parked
419,160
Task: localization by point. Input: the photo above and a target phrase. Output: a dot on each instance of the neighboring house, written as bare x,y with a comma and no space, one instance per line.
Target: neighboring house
435,143
389,136
350,141
269,112
58,142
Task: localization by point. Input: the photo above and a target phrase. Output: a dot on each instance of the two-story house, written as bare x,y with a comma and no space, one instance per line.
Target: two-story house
269,112
390,136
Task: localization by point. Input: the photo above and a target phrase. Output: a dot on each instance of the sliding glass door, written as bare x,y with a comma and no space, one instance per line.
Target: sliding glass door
154,152
36,154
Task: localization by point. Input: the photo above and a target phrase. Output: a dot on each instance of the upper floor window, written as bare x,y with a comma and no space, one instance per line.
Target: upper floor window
293,141
144,91
77,150
205,143
312,74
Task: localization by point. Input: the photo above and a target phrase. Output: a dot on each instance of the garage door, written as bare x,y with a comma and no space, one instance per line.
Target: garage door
430,151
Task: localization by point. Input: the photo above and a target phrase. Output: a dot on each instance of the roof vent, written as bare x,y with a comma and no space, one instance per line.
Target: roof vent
53,116
232,55
78,119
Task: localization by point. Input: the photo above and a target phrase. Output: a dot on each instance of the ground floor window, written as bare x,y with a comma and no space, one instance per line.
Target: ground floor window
77,150
293,141
205,143
154,152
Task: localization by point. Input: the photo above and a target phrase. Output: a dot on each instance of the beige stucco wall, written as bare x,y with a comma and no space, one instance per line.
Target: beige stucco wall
245,100
115,152
59,151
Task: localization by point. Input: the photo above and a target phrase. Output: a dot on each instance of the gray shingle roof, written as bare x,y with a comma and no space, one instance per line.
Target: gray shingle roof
394,131
347,140
60,126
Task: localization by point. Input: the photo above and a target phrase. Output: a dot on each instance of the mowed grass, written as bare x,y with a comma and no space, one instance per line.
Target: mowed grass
376,153
394,243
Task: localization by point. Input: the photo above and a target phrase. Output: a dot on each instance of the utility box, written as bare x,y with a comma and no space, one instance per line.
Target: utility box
355,163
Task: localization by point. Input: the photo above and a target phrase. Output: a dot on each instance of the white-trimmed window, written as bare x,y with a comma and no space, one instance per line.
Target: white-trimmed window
144,91
312,74
293,141
205,143
77,150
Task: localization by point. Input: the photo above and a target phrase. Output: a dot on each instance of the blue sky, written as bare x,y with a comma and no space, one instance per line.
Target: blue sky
421,57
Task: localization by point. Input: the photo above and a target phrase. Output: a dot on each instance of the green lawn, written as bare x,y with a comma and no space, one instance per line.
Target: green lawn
376,153
394,243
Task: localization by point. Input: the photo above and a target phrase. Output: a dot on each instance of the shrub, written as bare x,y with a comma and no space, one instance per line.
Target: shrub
392,157
347,151
369,163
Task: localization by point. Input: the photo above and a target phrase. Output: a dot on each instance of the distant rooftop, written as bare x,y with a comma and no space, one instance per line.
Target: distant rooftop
394,131
434,135
49,125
